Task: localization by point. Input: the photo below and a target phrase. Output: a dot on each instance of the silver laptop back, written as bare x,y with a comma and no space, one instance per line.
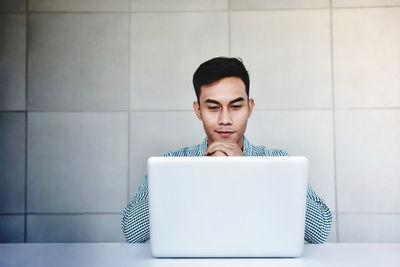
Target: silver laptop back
227,206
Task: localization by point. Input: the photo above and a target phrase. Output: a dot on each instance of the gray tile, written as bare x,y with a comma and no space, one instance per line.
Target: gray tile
12,162
365,56
94,228
266,4
367,160
166,49
155,133
369,228
302,133
12,61
12,5
78,61
81,5
12,228
178,5
364,3
287,54
77,162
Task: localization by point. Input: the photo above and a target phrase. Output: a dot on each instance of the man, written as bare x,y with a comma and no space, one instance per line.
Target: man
223,105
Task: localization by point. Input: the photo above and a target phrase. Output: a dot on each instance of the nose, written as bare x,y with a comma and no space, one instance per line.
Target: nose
224,117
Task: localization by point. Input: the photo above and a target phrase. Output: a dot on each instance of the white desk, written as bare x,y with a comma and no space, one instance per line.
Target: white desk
138,255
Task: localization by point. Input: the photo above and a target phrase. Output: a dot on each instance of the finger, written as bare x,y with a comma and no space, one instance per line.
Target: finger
222,147
213,145
218,153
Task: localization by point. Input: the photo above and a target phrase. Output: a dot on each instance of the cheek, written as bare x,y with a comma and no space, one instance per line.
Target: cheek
209,117
241,118
209,120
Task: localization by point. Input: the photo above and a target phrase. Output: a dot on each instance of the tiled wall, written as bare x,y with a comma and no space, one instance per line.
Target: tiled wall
89,89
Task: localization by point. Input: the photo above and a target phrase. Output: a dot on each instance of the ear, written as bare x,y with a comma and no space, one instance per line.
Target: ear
251,106
196,108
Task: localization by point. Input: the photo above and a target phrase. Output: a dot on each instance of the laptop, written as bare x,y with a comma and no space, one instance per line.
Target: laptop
227,206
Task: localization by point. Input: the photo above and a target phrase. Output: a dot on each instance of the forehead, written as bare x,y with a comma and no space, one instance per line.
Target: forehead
224,90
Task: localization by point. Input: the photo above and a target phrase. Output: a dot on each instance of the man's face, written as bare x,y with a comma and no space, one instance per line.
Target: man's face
224,110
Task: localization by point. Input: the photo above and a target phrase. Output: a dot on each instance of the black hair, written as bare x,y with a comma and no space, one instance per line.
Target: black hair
218,68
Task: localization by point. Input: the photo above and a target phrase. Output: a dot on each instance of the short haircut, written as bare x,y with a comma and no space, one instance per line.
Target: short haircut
218,68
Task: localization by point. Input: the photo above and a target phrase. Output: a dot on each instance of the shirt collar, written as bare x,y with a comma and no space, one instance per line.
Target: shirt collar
246,146
203,146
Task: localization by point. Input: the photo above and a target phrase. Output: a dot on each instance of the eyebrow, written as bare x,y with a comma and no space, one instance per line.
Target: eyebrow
216,102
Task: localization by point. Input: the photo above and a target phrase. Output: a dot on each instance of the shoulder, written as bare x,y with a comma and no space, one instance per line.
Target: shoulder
187,151
277,152
263,151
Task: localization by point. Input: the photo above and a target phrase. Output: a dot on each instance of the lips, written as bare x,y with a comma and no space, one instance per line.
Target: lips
225,133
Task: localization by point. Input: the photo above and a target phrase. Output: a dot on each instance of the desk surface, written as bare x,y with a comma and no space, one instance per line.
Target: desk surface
138,255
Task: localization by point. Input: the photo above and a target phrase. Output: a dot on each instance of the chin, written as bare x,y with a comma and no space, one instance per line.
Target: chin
230,139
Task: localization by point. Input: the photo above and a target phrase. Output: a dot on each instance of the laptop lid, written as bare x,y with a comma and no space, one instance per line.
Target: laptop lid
227,206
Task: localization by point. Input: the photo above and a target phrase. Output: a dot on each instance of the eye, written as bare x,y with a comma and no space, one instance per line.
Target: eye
213,107
236,106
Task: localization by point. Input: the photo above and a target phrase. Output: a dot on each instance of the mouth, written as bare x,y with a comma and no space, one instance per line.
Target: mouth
225,134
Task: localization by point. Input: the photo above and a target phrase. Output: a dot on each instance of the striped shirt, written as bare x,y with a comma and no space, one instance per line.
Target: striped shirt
135,221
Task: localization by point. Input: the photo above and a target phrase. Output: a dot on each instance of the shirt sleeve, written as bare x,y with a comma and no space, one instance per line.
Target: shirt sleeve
135,219
318,216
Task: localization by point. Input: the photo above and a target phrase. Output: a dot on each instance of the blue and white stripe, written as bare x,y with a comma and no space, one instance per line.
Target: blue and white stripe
135,221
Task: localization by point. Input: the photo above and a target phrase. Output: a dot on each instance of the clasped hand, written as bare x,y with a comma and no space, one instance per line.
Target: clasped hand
222,149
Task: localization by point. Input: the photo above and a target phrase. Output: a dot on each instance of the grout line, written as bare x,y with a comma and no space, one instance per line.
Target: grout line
26,124
12,111
369,213
129,105
74,213
129,12
265,109
365,7
199,11
128,183
178,11
78,12
185,110
11,12
279,9
117,213
333,121
367,108
81,110
289,109
229,29
311,8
